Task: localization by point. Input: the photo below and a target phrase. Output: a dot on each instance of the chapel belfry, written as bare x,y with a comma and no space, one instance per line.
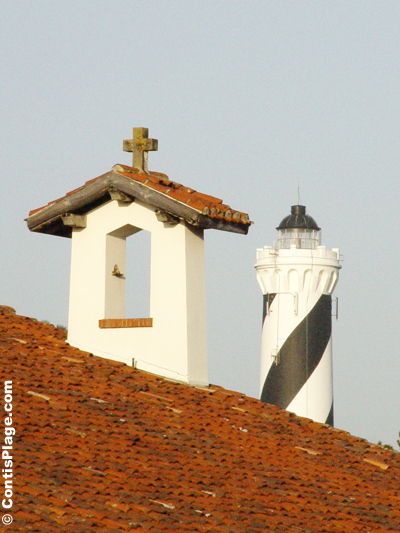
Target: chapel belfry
99,217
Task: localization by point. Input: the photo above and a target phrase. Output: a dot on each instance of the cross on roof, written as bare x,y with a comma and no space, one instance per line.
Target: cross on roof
140,145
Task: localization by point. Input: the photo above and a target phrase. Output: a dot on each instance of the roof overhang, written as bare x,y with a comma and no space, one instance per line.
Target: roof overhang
51,219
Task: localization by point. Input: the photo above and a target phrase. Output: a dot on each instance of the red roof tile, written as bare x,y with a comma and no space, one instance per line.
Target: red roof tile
116,449
207,208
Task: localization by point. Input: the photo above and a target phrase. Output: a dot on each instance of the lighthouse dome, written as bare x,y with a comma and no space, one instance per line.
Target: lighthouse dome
298,229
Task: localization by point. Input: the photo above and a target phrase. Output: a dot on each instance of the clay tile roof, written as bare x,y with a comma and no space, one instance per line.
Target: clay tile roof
152,188
100,446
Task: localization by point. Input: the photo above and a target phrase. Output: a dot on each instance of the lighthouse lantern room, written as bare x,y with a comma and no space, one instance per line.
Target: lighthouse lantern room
299,229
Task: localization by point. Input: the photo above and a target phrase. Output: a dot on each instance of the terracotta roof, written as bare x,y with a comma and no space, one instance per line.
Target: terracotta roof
152,188
103,447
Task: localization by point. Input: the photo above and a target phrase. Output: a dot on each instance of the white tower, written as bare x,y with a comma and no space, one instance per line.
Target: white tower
99,217
297,280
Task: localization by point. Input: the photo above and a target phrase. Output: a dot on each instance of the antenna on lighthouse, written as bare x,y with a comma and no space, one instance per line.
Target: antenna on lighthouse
298,191
297,281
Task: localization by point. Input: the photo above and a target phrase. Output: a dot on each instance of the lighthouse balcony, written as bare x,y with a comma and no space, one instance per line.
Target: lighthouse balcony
272,254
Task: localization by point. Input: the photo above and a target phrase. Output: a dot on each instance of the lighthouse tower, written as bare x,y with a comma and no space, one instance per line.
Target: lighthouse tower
297,280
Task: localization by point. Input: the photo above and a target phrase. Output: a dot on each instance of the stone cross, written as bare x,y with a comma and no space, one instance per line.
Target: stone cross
140,145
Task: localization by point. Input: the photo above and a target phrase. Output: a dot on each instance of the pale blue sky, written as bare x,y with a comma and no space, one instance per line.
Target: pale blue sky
247,99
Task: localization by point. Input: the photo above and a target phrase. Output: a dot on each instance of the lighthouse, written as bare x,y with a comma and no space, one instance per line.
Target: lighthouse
297,280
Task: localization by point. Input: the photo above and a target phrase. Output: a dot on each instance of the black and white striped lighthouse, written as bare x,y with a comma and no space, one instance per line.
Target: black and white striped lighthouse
297,280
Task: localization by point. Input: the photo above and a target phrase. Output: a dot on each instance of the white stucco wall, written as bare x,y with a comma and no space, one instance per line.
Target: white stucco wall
175,346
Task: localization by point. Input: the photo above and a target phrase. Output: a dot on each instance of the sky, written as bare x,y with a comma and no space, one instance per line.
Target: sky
250,101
